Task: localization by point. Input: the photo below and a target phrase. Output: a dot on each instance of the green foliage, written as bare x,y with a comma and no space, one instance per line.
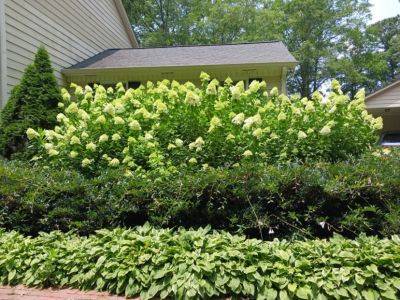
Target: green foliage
287,200
315,31
169,126
193,264
32,103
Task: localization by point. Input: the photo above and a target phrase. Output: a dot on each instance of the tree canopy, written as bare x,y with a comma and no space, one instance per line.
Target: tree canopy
329,38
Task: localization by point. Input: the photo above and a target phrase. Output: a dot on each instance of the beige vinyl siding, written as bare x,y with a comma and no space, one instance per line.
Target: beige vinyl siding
71,31
386,98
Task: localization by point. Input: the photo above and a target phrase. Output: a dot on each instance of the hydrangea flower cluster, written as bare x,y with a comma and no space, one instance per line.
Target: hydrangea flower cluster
169,125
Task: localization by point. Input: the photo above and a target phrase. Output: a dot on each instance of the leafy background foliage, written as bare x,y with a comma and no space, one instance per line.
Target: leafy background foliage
329,38
200,263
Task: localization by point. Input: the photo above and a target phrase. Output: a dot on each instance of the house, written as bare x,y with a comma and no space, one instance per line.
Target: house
71,31
91,41
386,103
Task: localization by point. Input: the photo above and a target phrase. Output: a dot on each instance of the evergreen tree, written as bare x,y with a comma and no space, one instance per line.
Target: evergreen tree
33,103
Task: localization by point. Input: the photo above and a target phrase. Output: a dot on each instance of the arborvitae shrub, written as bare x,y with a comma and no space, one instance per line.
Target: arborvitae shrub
32,103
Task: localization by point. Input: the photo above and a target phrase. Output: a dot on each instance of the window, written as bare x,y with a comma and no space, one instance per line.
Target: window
390,139
133,84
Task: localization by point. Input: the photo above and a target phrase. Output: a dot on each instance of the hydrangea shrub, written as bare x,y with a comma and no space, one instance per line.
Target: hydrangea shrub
168,125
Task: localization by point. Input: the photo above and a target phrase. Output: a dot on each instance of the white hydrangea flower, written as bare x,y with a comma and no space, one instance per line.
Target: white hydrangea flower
72,108
214,122
197,144
103,138
281,116
148,136
83,115
116,137
192,98
238,119
73,154
101,119
86,162
127,159
53,152
119,121
178,142
204,76
378,123
60,105
75,140
160,106
254,86
301,135
171,146
193,160
236,92
91,146
48,146
325,130
230,137
247,153
114,162
257,133
109,109
274,92
31,133
134,125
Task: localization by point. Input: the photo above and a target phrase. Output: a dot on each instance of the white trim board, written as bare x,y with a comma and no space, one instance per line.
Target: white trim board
3,56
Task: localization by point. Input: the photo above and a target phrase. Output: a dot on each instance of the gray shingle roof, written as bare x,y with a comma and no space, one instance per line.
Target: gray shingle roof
204,55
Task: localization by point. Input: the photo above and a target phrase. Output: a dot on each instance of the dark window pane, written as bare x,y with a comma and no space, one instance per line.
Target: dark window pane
133,84
392,138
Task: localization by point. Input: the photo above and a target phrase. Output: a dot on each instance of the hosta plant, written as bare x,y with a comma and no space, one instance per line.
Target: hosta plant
202,264
168,125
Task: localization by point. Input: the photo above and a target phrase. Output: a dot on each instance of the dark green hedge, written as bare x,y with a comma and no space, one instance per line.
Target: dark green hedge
200,264
274,201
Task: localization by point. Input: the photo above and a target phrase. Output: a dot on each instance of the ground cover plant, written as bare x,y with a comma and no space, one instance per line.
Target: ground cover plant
202,264
286,200
167,126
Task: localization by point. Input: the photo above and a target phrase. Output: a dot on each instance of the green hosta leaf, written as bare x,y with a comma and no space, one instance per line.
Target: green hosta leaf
234,283
270,294
303,292
396,283
359,279
248,288
389,294
11,275
370,295
283,295
292,287
250,269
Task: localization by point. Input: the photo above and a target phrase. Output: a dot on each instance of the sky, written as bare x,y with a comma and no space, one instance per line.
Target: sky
382,9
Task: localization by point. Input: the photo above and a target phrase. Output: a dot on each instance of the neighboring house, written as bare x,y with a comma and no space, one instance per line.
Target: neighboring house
71,31
386,103
91,41
267,61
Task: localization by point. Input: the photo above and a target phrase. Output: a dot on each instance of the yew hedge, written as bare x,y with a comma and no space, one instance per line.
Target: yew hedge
283,200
